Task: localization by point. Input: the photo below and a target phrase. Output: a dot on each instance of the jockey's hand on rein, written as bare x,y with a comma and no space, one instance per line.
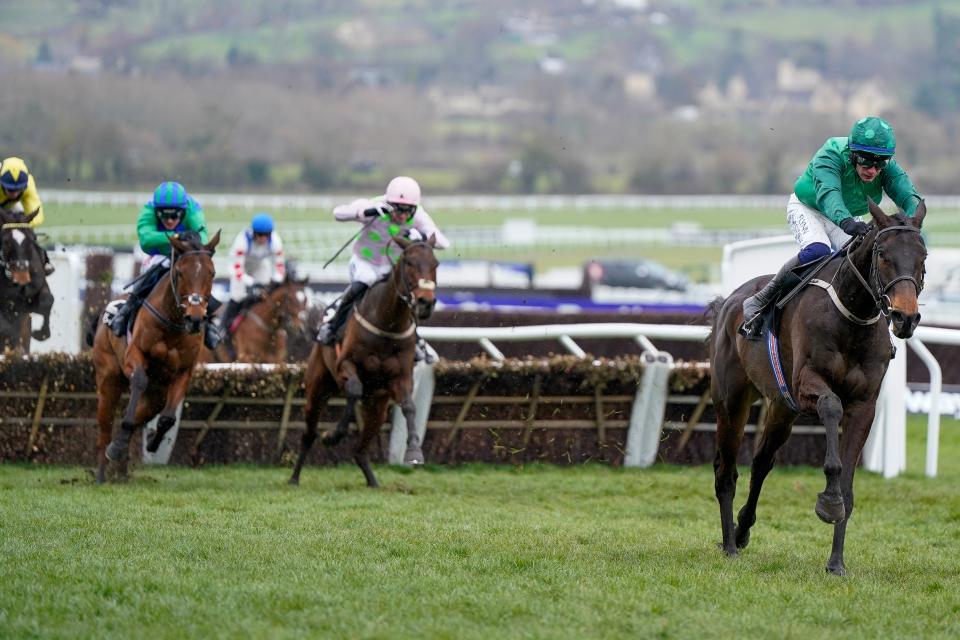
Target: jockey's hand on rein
854,227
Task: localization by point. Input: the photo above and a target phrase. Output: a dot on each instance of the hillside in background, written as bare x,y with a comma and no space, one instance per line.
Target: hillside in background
547,96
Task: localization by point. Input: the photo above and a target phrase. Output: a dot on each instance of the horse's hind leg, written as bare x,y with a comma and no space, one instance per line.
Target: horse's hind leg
732,397
119,449
373,413
319,386
774,434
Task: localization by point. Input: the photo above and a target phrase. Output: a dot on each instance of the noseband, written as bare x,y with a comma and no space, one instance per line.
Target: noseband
876,288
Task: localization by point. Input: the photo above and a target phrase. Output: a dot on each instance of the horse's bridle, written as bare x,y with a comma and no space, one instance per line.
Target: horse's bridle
15,265
181,304
193,298
408,294
876,289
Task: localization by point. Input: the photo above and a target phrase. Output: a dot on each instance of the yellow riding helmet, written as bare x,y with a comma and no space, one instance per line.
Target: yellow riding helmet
13,174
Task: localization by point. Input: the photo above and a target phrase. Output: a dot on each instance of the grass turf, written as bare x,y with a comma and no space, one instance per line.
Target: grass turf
471,552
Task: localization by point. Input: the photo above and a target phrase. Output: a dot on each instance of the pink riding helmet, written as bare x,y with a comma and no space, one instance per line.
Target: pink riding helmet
403,190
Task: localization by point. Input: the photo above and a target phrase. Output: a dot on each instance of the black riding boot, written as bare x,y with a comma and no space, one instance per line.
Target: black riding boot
229,315
212,334
119,322
329,329
142,287
755,304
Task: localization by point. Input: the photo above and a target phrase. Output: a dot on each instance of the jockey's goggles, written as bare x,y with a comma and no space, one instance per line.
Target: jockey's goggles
404,209
868,160
262,234
12,193
170,213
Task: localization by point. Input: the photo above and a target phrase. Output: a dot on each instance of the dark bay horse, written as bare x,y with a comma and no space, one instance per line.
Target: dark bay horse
262,330
373,364
835,347
23,284
158,360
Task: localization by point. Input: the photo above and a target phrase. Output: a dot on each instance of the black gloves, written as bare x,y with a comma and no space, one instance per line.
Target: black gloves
853,227
377,210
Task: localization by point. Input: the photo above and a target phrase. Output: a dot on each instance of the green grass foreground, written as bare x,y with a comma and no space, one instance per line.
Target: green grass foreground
472,552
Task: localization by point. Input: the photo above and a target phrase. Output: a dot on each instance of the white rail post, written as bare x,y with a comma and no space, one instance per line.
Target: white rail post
423,386
886,449
649,405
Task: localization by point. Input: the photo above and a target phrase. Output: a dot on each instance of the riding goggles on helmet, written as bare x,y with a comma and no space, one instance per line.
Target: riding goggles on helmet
404,209
868,160
170,213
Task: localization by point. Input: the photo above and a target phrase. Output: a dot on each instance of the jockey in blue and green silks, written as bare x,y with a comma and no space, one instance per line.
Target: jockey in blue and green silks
830,196
398,212
170,211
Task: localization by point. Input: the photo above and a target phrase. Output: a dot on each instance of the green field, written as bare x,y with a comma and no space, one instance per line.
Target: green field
472,552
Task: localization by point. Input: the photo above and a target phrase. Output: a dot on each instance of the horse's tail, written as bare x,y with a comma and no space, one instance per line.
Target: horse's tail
711,316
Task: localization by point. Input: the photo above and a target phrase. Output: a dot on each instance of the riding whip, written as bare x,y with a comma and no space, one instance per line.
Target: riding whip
347,243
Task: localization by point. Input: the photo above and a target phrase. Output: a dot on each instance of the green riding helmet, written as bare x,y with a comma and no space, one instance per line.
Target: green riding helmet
873,135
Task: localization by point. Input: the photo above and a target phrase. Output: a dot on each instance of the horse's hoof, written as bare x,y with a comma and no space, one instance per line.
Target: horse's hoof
294,482
413,457
837,568
830,508
154,442
742,539
730,552
40,335
116,453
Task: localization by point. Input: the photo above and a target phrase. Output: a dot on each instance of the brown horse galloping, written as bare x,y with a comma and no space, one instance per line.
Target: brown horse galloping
262,331
23,284
158,361
374,362
835,347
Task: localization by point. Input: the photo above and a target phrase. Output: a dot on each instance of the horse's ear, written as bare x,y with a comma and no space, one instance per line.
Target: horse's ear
403,242
214,241
433,240
177,243
918,215
879,215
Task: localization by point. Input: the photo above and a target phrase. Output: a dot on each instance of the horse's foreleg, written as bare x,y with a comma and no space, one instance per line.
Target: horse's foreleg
373,414
176,392
773,435
857,420
43,306
830,507
119,449
403,395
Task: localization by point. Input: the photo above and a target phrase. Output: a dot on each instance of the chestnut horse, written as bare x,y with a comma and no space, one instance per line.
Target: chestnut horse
373,364
262,330
834,346
158,360
23,284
